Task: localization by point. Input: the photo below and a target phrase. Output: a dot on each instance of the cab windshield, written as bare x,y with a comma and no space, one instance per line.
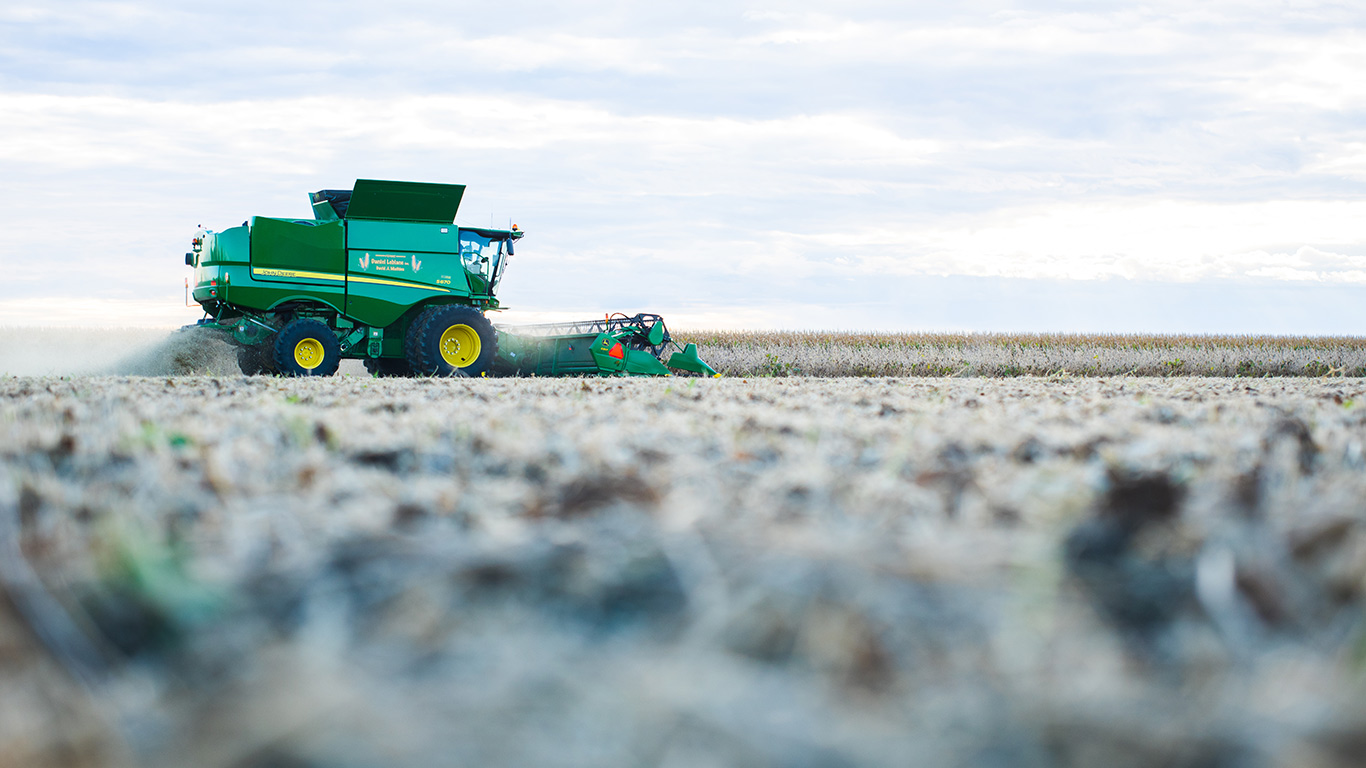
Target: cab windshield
482,255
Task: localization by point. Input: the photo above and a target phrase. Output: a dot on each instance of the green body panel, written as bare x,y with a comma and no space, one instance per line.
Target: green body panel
383,285
231,246
323,211
393,265
405,201
291,261
392,344
291,245
419,237
255,293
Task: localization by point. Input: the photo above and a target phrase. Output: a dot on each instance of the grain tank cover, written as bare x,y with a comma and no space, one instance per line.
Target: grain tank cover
405,201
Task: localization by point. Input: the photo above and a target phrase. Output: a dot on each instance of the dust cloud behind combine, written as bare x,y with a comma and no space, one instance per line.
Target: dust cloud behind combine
114,351
123,352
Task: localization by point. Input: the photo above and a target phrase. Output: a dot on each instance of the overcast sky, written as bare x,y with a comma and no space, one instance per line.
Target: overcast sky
982,166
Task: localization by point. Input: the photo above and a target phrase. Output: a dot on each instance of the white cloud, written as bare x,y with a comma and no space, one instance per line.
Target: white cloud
766,150
804,160
76,311
1322,73
962,41
574,53
1165,240
290,135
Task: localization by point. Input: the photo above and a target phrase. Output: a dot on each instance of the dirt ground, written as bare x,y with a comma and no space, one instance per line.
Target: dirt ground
231,571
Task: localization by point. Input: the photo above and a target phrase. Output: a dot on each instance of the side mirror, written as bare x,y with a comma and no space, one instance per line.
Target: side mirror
189,259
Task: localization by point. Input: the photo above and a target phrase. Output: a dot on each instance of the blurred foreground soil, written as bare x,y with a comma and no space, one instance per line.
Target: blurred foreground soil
782,572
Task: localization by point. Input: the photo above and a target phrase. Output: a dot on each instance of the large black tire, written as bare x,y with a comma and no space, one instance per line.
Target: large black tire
451,341
257,359
307,347
388,366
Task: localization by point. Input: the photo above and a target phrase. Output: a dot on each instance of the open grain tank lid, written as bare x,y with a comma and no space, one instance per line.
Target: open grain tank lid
330,204
404,201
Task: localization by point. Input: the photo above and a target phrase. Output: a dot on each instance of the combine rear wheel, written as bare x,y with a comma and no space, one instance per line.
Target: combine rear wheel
307,347
451,341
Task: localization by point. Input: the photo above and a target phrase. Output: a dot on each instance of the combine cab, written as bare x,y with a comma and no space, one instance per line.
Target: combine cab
381,273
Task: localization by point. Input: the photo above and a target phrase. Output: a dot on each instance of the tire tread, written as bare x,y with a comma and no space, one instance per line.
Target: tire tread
420,346
292,333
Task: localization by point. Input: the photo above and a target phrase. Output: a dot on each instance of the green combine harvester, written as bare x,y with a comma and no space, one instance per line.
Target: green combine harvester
382,274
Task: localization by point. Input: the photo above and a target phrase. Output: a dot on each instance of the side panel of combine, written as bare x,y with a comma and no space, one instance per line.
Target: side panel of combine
222,260
297,260
393,265
231,246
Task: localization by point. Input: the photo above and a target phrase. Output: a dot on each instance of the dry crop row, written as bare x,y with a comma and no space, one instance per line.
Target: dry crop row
807,353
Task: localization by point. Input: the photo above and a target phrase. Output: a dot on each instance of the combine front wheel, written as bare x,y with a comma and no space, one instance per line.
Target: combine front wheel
307,347
451,341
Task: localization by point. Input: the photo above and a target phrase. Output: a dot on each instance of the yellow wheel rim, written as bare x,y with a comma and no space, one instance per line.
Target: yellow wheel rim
460,346
308,353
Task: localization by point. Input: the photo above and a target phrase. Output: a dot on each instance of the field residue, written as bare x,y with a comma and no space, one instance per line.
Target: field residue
350,571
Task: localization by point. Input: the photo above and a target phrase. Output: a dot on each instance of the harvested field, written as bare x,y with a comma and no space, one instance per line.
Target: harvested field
795,353
351,571
154,352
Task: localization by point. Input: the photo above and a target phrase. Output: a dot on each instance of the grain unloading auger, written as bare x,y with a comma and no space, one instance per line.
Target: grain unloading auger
382,274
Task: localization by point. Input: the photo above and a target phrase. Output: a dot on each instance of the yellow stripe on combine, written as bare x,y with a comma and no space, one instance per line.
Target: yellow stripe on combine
378,281
339,278
295,273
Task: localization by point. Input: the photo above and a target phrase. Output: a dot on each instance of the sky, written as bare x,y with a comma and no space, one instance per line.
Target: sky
980,166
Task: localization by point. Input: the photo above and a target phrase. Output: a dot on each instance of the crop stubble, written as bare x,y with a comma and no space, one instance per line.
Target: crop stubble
997,355
682,572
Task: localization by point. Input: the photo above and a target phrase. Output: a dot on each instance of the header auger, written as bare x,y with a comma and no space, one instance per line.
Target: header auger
381,273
